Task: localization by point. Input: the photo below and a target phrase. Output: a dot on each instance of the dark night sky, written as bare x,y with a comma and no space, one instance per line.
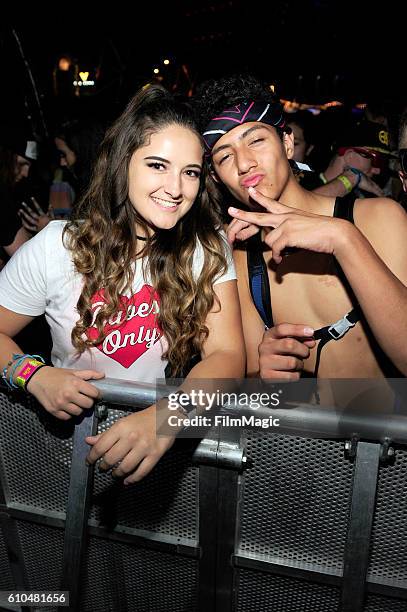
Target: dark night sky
314,50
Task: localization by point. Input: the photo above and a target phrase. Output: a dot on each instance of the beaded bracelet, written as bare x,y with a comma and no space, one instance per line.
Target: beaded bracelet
15,358
4,371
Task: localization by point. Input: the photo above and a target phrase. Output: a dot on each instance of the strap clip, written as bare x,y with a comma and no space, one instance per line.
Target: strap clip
339,329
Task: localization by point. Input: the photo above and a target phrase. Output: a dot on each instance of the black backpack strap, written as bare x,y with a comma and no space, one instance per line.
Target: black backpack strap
259,279
335,332
343,208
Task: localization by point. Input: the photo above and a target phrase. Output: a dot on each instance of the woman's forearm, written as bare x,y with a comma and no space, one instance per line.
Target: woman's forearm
220,364
8,348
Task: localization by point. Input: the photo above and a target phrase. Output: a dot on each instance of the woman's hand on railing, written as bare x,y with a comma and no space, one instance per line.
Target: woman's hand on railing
64,393
133,442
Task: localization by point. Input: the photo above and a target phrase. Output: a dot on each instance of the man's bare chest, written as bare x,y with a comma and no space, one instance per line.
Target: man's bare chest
310,290
307,288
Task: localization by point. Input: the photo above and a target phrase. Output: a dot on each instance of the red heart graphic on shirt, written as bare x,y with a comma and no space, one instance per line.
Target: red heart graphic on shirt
133,330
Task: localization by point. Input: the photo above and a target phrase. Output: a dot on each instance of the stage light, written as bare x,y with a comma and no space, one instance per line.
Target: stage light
64,63
166,62
156,71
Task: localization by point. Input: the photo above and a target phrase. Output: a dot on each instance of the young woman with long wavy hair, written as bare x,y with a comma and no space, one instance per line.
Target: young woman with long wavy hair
139,284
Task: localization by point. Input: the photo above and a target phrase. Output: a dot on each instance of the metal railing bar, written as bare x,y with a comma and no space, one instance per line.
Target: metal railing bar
307,420
358,541
121,533
78,504
296,419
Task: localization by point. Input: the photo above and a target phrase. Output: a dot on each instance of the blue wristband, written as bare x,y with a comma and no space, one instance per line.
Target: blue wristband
358,173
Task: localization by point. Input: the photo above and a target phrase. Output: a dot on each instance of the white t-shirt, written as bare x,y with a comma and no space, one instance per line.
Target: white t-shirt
41,278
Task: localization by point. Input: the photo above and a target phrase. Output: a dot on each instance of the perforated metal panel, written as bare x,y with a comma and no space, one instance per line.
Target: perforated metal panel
42,551
389,541
295,501
35,450
122,578
262,592
375,603
165,502
6,579
116,576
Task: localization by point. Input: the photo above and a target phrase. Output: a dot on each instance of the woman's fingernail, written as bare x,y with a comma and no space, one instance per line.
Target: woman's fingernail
252,190
308,331
232,210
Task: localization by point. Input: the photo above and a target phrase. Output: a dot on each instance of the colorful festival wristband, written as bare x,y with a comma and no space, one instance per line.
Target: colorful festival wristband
345,182
27,371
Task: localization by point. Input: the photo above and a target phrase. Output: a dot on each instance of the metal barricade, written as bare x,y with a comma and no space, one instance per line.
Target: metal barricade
313,518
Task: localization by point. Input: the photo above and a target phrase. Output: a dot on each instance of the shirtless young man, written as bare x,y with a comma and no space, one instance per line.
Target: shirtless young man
334,265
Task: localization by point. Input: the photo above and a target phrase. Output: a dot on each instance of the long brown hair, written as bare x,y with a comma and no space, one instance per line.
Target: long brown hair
104,244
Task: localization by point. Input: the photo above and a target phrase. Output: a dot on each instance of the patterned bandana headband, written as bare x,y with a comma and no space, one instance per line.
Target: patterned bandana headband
270,113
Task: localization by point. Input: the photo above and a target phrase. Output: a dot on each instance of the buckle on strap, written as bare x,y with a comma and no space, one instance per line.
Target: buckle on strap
339,329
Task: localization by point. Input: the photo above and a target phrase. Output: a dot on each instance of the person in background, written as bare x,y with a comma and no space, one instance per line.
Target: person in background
301,124
17,152
361,156
18,193
77,145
